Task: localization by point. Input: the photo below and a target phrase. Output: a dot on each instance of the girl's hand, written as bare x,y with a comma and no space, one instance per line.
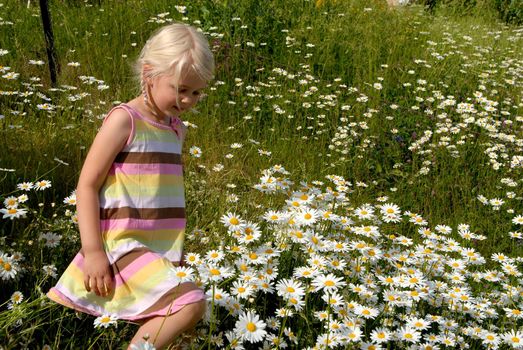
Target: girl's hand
98,276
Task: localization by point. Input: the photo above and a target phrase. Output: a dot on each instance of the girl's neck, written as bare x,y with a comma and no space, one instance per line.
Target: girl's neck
150,111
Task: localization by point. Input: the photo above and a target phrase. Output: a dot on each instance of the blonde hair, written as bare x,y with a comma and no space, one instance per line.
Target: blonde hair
175,49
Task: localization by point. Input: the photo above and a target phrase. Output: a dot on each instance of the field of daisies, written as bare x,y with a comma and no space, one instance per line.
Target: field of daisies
353,173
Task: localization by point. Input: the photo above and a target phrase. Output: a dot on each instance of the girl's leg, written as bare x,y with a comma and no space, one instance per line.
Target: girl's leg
166,329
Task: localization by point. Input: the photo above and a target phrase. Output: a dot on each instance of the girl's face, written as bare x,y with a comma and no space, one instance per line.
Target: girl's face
172,100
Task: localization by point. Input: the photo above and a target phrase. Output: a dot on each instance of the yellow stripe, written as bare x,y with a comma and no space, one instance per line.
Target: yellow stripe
145,180
148,276
142,236
143,190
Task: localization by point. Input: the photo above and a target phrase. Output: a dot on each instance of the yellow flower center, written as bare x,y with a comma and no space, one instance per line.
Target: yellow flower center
215,272
329,283
181,274
291,290
234,221
251,327
307,216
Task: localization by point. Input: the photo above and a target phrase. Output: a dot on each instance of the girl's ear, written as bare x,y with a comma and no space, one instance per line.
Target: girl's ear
146,73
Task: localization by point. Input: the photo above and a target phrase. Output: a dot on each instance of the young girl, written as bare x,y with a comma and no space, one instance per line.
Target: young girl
130,198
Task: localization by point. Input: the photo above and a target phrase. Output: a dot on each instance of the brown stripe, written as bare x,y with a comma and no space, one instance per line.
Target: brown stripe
148,158
142,213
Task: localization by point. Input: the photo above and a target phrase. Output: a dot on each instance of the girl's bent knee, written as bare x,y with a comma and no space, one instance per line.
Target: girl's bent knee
197,310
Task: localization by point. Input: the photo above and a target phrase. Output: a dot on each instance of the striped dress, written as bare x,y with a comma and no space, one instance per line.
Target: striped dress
142,222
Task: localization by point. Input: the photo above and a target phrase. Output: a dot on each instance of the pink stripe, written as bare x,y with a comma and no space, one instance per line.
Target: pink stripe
133,313
78,260
134,267
146,169
162,224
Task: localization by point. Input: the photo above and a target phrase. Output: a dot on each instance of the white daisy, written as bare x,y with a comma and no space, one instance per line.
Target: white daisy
105,321
250,328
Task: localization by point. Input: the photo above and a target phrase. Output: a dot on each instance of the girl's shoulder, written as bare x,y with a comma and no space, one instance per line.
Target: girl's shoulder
119,121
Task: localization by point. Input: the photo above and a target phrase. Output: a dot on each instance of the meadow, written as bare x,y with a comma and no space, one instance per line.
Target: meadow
353,173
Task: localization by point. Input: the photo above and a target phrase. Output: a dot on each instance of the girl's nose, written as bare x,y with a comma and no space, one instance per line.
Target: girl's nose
189,100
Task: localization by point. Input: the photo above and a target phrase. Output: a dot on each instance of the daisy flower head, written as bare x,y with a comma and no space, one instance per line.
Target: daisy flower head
408,334
353,334
71,200
513,338
241,289
518,220
181,274
219,295
195,152
23,198
235,342
306,217
11,202
42,185
329,282
231,221
25,186
390,209
8,267
251,233
364,212
490,339
142,345
274,217
290,288
443,229
250,327
418,220
105,321
215,273
13,213
193,259
51,239
50,270
17,297
496,203
214,256
366,312
333,299
380,335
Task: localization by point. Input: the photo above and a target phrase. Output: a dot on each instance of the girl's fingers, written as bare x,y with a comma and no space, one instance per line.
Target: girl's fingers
108,283
100,286
86,284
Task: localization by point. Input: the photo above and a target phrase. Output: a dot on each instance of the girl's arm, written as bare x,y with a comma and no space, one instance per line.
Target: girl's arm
107,144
